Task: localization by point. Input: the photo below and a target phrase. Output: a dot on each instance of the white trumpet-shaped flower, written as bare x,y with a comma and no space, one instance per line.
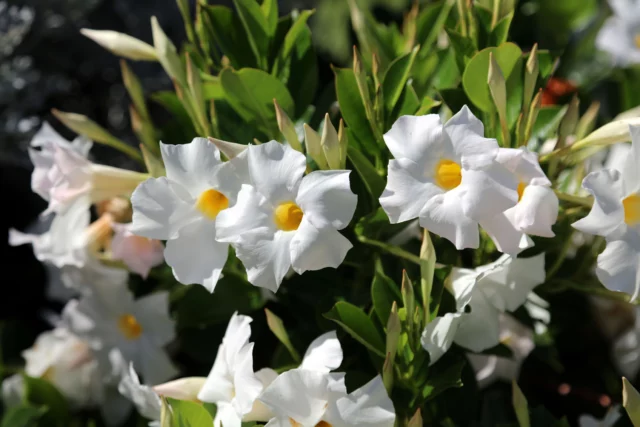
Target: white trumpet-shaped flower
232,384
62,173
615,215
283,219
139,254
489,290
537,207
182,207
109,317
620,34
305,398
144,398
446,175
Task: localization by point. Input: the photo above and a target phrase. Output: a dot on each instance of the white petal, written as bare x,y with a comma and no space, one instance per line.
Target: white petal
367,406
524,164
152,312
326,199
487,192
631,171
536,212
607,213
266,256
246,385
443,216
414,137
315,249
146,401
139,254
191,164
619,264
506,237
218,386
226,416
615,38
466,134
160,209
251,212
439,334
479,329
195,256
324,354
276,171
298,394
407,190
156,367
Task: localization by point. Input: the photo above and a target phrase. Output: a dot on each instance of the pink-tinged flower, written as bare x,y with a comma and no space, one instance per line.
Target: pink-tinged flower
140,254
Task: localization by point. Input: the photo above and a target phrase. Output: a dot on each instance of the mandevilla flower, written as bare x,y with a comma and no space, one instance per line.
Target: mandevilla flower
489,290
615,215
305,398
447,176
283,219
620,35
146,401
140,254
109,317
182,209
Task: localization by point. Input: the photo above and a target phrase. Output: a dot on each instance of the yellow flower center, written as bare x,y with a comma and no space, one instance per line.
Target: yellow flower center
521,187
636,40
288,216
129,326
631,206
211,202
448,174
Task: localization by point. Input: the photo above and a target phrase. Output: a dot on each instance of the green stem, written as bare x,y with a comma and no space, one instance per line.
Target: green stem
577,200
394,250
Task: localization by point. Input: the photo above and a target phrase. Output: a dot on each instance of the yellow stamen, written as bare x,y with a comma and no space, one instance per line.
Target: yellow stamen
288,216
631,206
323,424
129,326
521,187
636,40
448,174
211,202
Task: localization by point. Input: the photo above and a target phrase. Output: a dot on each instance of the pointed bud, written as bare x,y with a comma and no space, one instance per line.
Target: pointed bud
122,44
343,140
408,298
569,121
82,125
530,77
167,53
416,420
631,401
534,109
394,329
588,120
427,268
497,86
165,413
287,127
181,389
134,88
520,405
387,374
229,149
277,327
314,147
330,144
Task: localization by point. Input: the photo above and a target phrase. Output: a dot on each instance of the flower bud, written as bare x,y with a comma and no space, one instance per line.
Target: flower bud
330,144
229,149
122,44
287,127
313,145
181,389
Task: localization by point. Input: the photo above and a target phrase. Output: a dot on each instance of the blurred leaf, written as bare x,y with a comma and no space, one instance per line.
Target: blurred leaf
358,325
23,416
408,104
396,78
548,120
474,78
41,392
384,292
447,74
520,406
228,32
181,125
631,401
443,375
277,327
295,32
256,27
372,180
501,30
427,105
270,12
154,164
251,93
189,414
546,63
464,48
515,92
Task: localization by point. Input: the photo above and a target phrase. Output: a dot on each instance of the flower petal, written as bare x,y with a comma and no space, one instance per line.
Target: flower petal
152,312
407,190
191,164
369,405
524,164
487,192
443,215
324,354
160,209
226,416
607,213
479,329
246,385
156,367
195,256
631,171
315,249
326,199
466,134
506,237
536,212
438,336
618,266
414,137
276,171
250,213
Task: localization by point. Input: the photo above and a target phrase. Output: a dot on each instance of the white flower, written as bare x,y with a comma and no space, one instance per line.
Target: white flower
490,368
122,44
109,317
182,207
489,290
305,398
447,176
62,173
12,390
232,384
610,419
620,34
144,398
615,215
139,253
537,207
69,364
283,219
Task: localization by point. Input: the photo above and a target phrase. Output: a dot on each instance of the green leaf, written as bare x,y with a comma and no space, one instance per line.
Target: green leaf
277,327
41,392
464,48
372,180
23,416
631,401
154,164
474,78
255,24
295,32
408,104
455,99
251,93
396,78
228,33
384,292
443,375
501,30
515,93
546,63
520,406
189,414
270,11
358,325
181,125
548,120
428,103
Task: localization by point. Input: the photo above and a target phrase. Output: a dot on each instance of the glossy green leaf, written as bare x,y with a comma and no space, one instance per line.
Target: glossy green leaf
256,27
520,406
548,120
251,93
228,32
270,11
501,30
43,393
189,414
277,327
474,78
396,77
23,416
427,105
372,180
291,39
383,293
358,325
444,374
